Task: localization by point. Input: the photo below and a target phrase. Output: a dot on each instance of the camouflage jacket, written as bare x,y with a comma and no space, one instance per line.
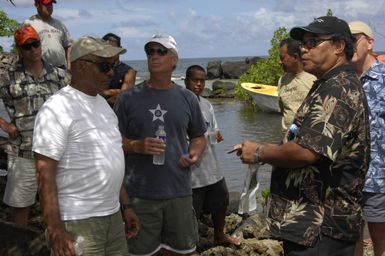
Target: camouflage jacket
325,198
23,95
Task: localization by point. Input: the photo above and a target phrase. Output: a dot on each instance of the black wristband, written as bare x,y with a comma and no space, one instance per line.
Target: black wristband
124,207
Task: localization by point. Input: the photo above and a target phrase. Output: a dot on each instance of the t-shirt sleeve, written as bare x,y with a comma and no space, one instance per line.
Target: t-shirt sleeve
197,125
66,41
50,132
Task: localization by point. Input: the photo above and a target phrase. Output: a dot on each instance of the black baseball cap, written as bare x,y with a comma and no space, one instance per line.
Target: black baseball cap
325,25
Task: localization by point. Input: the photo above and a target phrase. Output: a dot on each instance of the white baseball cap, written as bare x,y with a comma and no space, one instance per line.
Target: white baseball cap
165,40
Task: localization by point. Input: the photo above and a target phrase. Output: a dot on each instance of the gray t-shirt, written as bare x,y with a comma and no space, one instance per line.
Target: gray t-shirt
54,38
206,171
140,111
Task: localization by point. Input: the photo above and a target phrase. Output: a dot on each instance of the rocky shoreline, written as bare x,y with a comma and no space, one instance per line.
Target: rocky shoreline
253,231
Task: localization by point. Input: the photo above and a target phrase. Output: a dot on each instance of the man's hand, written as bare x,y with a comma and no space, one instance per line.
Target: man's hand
188,159
247,151
62,243
149,146
131,222
11,129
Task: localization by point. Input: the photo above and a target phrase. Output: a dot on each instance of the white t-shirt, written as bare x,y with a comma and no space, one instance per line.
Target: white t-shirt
54,38
81,132
206,171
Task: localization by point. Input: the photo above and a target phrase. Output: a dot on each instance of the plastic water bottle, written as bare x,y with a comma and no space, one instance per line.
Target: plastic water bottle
78,244
160,134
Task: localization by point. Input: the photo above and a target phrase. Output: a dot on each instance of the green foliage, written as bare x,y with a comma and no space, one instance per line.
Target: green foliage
263,198
329,13
7,26
265,71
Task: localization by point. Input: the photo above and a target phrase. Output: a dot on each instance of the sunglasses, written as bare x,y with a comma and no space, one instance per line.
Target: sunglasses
28,46
104,66
313,42
159,51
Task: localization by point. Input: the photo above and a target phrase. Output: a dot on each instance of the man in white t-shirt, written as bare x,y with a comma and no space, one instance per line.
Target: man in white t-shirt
80,160
54,36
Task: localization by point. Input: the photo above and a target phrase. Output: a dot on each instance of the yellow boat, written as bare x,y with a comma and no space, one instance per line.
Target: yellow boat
265,96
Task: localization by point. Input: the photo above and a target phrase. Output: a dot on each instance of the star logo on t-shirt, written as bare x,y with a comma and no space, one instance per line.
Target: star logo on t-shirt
158,113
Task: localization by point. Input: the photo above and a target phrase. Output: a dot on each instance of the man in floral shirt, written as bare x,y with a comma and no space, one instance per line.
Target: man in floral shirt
318,175
372,76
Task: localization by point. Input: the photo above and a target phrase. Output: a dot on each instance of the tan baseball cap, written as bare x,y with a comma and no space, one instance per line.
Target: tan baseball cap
95,46
358,27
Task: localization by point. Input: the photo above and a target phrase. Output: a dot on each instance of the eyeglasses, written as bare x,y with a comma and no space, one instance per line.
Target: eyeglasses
104,66
313,42
159,51
28,46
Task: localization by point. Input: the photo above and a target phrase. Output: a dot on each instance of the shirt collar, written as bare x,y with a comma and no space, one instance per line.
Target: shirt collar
376,70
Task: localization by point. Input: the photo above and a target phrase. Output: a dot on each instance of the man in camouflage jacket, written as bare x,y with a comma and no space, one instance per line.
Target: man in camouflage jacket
23,89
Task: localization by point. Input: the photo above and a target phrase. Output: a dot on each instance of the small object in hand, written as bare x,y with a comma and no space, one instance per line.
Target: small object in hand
232,151
213,135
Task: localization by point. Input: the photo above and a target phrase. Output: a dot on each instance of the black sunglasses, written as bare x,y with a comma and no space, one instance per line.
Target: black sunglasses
104,66
28,46
159,51
313,42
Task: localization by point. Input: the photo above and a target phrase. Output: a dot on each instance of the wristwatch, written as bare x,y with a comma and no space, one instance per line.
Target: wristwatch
257,159
124,207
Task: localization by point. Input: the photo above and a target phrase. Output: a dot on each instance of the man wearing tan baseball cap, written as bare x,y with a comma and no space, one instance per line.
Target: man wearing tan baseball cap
80,160
372,75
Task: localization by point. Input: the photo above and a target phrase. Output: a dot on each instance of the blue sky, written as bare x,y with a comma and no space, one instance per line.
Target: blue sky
202,28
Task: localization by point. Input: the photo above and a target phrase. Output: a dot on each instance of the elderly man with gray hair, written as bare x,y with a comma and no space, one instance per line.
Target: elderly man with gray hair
161,186
80,161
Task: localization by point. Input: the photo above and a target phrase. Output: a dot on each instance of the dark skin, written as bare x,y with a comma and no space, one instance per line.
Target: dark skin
317,61
196,83
129,80
87,78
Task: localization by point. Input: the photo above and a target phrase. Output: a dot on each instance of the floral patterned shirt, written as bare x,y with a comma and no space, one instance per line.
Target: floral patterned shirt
325,198
23,95
373,81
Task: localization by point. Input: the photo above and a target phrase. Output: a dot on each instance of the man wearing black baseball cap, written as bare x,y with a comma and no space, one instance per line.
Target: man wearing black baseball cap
318,175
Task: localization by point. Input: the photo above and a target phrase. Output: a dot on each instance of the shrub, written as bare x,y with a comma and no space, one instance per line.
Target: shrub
265,71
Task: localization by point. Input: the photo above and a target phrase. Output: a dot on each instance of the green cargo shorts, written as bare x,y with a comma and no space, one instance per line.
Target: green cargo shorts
102,235
170,224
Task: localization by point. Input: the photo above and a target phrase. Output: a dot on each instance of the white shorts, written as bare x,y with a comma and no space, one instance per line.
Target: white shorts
21,187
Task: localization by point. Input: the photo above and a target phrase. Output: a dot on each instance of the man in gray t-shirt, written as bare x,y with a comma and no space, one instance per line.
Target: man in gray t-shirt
54,36
161,194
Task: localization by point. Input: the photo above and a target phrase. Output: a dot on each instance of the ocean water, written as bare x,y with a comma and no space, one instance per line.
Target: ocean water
142,72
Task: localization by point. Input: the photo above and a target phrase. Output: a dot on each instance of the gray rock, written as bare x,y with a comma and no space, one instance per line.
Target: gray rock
234,69
214,69
223,85
21,240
